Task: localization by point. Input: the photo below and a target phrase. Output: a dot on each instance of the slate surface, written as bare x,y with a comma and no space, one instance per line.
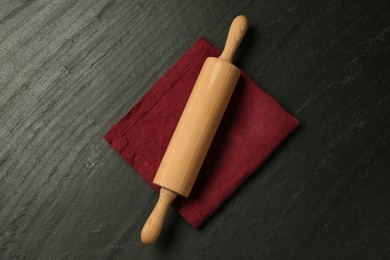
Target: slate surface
71,69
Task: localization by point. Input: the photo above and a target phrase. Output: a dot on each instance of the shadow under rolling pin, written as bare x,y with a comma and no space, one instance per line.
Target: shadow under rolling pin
196,129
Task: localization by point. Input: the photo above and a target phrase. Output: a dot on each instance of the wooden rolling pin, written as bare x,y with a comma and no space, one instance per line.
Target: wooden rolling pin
196,129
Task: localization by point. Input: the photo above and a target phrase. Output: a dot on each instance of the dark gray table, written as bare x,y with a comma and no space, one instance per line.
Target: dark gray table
70,69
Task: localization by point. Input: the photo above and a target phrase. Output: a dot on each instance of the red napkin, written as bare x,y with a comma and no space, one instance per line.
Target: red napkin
253,126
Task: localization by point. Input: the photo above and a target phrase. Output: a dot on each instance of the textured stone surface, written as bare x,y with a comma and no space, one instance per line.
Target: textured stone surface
71,69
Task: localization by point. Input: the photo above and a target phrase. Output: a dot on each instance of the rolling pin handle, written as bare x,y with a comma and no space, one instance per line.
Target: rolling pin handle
153,225
236,34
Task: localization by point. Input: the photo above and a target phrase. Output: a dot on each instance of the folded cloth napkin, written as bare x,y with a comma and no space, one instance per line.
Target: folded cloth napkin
253,126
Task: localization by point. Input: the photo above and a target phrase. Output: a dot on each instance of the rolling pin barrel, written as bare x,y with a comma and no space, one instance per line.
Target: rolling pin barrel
196,129
197,126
